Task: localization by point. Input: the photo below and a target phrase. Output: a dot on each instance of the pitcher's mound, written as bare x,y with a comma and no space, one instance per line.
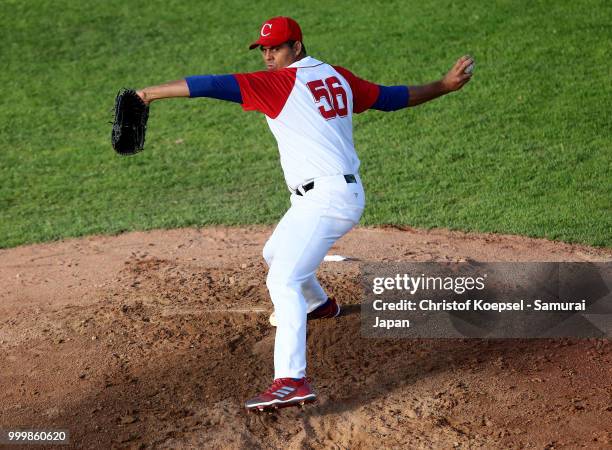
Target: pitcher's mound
156,339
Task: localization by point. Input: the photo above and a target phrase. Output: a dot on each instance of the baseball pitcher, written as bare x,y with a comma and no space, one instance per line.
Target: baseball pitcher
309,106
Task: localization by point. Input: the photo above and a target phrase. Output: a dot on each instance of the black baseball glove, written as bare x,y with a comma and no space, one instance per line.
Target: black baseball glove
130,123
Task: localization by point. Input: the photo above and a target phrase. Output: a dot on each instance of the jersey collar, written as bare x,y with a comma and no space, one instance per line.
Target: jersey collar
307,61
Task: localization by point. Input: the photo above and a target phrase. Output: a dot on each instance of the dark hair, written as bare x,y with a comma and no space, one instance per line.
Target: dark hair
290,43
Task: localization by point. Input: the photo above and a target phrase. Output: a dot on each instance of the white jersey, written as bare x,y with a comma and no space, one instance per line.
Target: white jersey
309,107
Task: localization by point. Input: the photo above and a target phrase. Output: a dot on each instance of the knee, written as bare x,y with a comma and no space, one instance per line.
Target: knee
285,293
277,279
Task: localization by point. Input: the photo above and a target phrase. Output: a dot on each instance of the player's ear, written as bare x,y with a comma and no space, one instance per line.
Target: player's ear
297,48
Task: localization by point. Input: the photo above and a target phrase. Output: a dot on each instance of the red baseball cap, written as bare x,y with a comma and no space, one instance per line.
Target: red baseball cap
277,31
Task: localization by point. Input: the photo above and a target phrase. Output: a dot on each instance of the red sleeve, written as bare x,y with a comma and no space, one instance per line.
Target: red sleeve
365,93
266,92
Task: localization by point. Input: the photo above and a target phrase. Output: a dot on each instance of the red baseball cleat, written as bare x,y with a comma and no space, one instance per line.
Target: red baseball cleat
284,392
327,310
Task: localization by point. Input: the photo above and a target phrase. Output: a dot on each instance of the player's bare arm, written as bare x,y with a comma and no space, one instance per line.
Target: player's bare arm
171,89
454,80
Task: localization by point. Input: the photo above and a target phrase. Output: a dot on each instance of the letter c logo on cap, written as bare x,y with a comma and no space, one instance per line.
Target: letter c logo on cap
263,29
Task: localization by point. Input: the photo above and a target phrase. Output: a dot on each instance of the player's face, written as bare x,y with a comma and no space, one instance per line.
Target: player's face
279,56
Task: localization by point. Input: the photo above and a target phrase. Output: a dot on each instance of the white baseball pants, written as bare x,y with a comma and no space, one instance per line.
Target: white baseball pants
294,251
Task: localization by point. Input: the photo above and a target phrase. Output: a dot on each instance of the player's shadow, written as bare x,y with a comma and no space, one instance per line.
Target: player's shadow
349,310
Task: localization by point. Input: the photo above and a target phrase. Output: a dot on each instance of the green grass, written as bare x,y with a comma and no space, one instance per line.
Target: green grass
525,148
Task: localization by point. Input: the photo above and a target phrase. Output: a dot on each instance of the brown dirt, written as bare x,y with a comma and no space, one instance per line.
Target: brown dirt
154,340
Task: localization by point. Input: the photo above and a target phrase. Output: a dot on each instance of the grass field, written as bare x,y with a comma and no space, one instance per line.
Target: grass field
525,148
